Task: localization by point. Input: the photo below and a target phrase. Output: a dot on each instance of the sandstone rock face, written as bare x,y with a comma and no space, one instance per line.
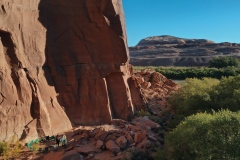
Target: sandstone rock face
174,51
28,100
62,63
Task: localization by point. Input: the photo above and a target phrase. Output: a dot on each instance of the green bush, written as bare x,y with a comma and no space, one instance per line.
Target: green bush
193,96
143,113
140,155
10,149
3,148
156,119
226,94
204,95
203,137
221,62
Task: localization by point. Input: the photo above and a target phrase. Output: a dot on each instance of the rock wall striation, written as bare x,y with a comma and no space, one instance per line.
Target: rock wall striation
62,63
174,51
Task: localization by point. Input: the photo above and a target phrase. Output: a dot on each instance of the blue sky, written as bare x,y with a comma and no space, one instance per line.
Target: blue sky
217,20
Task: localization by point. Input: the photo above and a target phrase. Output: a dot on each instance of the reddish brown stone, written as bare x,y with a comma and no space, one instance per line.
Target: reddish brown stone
99,144
147,123
145,144
138,137
121,142
62,63
135,128
112,146
110,137
101,135
85,149
129,139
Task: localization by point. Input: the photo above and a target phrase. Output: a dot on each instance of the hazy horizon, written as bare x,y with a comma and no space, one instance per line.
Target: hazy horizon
215,20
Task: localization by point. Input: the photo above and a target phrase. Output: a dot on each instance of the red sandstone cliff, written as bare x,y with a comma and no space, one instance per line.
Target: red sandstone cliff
62,63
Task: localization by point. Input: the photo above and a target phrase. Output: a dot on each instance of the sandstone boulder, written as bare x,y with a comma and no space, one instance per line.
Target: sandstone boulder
101,135
112,146
99,144
135,128
145,122
138,137
110,137
129,139
121,142
145,144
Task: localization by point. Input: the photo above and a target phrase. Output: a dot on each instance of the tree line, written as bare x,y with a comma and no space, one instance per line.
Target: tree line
217,68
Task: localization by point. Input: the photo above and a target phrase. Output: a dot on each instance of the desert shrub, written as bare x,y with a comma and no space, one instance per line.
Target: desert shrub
139,155
143,113
193,96
156,119
4,147
204,95
10,149
35,147
226,94
204,136
221,62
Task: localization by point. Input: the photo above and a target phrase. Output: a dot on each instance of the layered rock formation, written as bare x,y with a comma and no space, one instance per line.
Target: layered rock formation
62,63
174,51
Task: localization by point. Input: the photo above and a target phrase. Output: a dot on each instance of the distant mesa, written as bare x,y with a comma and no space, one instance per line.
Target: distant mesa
173,51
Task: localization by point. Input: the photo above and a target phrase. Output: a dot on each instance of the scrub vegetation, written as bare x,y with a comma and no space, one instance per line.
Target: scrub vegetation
218,68
206,120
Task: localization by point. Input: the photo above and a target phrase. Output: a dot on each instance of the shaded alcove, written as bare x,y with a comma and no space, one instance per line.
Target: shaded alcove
8,49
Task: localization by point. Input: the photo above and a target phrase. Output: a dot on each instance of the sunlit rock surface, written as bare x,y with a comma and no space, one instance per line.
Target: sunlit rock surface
62,63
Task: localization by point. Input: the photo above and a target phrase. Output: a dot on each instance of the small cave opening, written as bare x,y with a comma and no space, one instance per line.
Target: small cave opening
8,48
3,9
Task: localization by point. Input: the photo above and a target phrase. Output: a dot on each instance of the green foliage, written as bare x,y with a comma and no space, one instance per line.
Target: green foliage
4,147
204,136
194,72
135,154
10,149
143,113
221,62
188,72
193,96
144,67
35,147
226,94
204,95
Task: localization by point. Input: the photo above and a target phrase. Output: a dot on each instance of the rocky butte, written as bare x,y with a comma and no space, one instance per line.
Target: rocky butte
63,63
174,51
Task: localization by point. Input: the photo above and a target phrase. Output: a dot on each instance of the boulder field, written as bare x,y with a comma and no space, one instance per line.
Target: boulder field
63,64
109,142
